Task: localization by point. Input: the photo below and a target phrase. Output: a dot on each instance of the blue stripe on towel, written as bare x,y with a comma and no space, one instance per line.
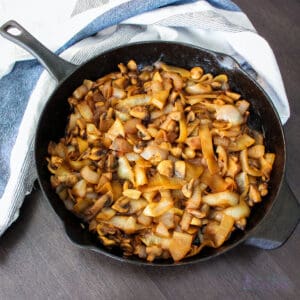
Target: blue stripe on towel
180,2
224,4
15,90
115,16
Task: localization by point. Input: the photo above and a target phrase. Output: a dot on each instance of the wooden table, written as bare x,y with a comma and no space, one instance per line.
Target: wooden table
38,262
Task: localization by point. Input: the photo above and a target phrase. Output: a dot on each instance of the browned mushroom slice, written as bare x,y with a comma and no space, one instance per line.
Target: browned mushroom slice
165,167
97,206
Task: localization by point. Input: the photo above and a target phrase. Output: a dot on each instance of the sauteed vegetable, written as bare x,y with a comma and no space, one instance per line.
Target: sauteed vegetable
159,160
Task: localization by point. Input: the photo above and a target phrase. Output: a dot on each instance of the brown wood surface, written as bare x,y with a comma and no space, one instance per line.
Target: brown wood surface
38,262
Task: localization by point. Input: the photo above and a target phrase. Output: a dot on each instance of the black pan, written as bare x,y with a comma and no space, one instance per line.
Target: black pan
271,222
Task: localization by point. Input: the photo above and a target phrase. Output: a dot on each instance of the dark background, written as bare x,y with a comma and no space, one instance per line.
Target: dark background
38,262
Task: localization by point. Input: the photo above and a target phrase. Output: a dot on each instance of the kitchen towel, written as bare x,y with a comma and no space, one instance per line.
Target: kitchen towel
80,29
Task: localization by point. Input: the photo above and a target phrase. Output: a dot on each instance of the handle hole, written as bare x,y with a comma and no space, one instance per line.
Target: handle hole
13,30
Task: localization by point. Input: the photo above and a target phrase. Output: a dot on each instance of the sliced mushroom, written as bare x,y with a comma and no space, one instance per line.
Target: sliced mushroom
165,168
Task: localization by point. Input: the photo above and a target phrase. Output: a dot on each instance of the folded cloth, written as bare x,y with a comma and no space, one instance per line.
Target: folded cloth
79,30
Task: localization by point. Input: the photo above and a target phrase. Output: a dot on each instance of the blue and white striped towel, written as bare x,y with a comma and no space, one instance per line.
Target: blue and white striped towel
81,29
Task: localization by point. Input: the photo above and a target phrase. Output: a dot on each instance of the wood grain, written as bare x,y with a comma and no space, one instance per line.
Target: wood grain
38,262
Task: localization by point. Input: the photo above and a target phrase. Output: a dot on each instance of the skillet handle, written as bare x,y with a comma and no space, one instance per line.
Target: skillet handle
58,67
280,223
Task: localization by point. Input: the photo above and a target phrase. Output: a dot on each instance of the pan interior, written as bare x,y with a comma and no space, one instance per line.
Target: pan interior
263,117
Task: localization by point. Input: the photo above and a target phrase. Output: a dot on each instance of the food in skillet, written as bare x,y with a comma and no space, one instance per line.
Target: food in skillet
159,161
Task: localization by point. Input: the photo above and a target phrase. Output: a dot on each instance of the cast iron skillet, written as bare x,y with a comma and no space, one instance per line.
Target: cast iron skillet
266,228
